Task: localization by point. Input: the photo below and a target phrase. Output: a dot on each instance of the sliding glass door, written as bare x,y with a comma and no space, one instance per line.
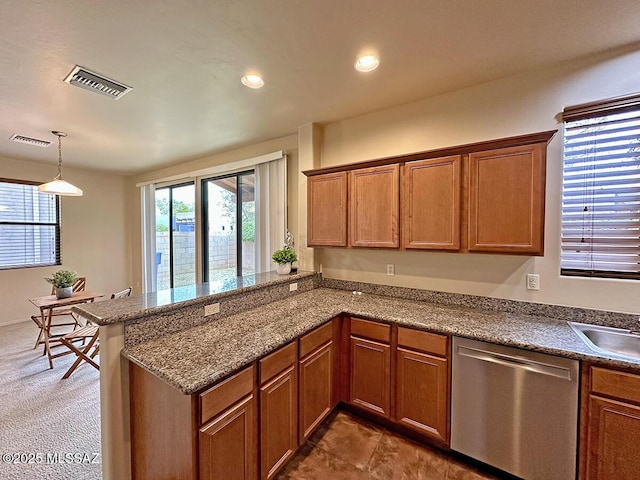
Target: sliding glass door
229,235
175,235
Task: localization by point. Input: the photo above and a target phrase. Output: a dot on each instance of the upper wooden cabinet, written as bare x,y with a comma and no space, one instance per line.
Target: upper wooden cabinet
506,200
431,191
327,210
374,207
481,197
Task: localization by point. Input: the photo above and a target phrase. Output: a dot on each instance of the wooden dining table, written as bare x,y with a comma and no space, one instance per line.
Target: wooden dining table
47,305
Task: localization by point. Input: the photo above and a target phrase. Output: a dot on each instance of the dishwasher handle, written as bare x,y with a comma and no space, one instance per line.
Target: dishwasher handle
515,362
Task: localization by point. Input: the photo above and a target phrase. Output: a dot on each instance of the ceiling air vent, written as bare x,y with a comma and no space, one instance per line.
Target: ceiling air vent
30,141
83,78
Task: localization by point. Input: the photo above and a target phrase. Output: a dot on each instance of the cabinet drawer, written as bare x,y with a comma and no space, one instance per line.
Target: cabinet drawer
372,330
423,341
225,394
615,384
315,338
273,364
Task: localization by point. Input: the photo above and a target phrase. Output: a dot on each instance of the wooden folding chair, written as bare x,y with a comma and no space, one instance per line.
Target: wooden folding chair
89,333
78,286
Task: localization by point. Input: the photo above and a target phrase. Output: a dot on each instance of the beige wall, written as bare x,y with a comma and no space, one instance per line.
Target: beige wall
512,106
94,239
288,144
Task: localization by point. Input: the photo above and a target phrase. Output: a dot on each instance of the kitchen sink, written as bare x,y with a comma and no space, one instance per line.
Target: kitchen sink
609,340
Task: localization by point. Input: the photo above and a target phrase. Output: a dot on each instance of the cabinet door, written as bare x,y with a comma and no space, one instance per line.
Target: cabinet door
228,444
370,378
431,192
506,200
327,210
278,422
374,207
613,440
422,393
316,381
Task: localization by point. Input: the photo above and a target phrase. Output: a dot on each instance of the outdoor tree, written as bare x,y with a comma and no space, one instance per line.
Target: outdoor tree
228,207
178,206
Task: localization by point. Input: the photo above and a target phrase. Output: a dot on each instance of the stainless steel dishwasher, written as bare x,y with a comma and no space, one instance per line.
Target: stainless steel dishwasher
515,409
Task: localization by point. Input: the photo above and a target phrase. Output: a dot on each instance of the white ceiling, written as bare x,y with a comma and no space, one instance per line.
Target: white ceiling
184,60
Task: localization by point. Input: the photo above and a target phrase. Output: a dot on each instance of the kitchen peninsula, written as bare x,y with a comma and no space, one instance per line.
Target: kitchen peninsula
167,336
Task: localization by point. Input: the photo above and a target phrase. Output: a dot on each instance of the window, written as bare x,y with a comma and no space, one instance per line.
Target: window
175,235
601,189
214,224
228,201
29,226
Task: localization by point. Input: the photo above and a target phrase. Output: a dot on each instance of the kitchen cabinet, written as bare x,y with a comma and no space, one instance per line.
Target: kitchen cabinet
611,444
317,372
374,207
228,439
327,210
422,383
278,409
169,430
370,372
248,425
431,195
483,197
506,200
227,444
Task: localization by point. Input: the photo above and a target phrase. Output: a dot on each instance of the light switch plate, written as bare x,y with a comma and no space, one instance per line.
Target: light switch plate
293,287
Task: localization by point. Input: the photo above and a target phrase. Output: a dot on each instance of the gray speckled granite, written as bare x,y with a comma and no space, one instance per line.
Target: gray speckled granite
152,326
170,300
193,359
583,315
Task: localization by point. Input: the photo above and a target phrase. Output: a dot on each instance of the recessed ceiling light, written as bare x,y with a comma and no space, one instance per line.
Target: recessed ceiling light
366,63
252,81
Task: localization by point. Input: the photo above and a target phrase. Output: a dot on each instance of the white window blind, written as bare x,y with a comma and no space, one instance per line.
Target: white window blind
601,189
29,226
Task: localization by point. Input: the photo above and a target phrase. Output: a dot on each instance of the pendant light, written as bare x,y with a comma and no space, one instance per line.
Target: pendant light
58,186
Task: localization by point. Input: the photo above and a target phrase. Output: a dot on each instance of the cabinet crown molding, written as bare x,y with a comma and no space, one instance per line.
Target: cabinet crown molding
518,140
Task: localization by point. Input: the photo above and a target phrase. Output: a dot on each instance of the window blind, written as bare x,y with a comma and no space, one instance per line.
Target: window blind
29,226
601,190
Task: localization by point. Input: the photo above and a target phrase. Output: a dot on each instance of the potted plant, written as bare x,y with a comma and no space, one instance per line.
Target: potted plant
284,258
63,281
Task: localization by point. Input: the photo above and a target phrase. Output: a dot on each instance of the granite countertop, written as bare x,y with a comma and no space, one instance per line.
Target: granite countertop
195,358
165,301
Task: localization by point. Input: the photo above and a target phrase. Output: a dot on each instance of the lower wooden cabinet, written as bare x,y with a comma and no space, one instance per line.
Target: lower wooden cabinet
421,393
278,414
227,444
316,388
612,447
370,379
250,424
422,383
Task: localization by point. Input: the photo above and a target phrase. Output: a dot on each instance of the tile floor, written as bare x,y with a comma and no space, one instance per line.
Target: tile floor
346,447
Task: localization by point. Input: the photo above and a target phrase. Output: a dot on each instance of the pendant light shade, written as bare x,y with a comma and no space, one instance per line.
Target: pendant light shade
58,186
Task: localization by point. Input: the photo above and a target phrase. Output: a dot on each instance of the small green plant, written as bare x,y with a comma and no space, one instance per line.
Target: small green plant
285,255
62,278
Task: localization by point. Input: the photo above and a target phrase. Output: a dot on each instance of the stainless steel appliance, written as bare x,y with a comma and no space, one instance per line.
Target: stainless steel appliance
515,409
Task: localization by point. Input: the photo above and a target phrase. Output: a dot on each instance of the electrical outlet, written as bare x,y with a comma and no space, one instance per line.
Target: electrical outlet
211,309
533,281
391,269
293,287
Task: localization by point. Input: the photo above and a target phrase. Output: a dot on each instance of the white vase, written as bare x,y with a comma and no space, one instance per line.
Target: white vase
64,292
284,268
